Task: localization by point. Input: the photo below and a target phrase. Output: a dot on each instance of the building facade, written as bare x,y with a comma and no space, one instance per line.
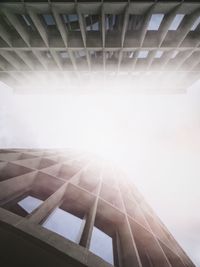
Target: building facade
73,42
63,208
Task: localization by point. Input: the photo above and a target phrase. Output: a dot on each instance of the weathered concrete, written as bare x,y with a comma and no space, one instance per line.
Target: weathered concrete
107,202
105,37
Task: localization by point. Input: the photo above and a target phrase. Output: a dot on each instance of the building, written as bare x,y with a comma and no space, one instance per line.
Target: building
147,45
63,208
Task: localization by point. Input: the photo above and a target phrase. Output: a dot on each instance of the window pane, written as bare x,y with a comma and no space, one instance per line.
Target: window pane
176,22
155,22
159,54
64,224
29,203
143,54
49,19
101,245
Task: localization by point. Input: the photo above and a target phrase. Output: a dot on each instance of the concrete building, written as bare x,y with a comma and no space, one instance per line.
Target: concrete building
144,44
61,208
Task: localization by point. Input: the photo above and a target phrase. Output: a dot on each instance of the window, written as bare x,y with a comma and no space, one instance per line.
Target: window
101,245
158,54
73,17
71,21
80,54
30,203
143,54
64,224
92,22
64,54
111,20
48,19
195,24
95,26
176,22
155,22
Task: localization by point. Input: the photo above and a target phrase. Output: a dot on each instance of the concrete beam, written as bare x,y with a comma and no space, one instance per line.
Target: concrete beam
38,24
60,25
18,26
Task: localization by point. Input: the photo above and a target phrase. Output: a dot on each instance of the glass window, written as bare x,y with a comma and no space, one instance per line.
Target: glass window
72,22
64,224
48,19
73,17
155,22
64,54
101,245
30,203
143,54
158,54
176,22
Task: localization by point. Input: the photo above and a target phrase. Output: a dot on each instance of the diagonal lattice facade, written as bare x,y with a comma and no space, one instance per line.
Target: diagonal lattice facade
76,41
88,189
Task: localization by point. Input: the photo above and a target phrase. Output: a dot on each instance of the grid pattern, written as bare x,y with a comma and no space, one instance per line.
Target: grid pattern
94,191
79,40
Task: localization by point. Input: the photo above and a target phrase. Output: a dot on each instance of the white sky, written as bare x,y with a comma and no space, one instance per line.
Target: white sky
155,138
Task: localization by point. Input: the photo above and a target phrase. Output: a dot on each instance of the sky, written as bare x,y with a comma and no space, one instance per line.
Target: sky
154,138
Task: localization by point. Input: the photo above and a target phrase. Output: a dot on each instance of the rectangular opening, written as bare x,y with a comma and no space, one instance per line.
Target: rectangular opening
80,54
92,22
135,22
158,54
155,22
23,205
29,203
49,20
110,21
64,54
143,54
102,245
113,22
196,24
65,224
176,22
71,21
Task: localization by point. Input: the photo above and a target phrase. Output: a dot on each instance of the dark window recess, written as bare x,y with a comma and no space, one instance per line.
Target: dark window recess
92,22
71,21
135,22
48,19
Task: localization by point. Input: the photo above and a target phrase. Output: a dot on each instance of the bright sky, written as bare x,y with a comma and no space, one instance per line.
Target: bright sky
154,138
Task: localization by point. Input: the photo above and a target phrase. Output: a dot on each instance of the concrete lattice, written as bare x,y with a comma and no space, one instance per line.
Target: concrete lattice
83,40
90,189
